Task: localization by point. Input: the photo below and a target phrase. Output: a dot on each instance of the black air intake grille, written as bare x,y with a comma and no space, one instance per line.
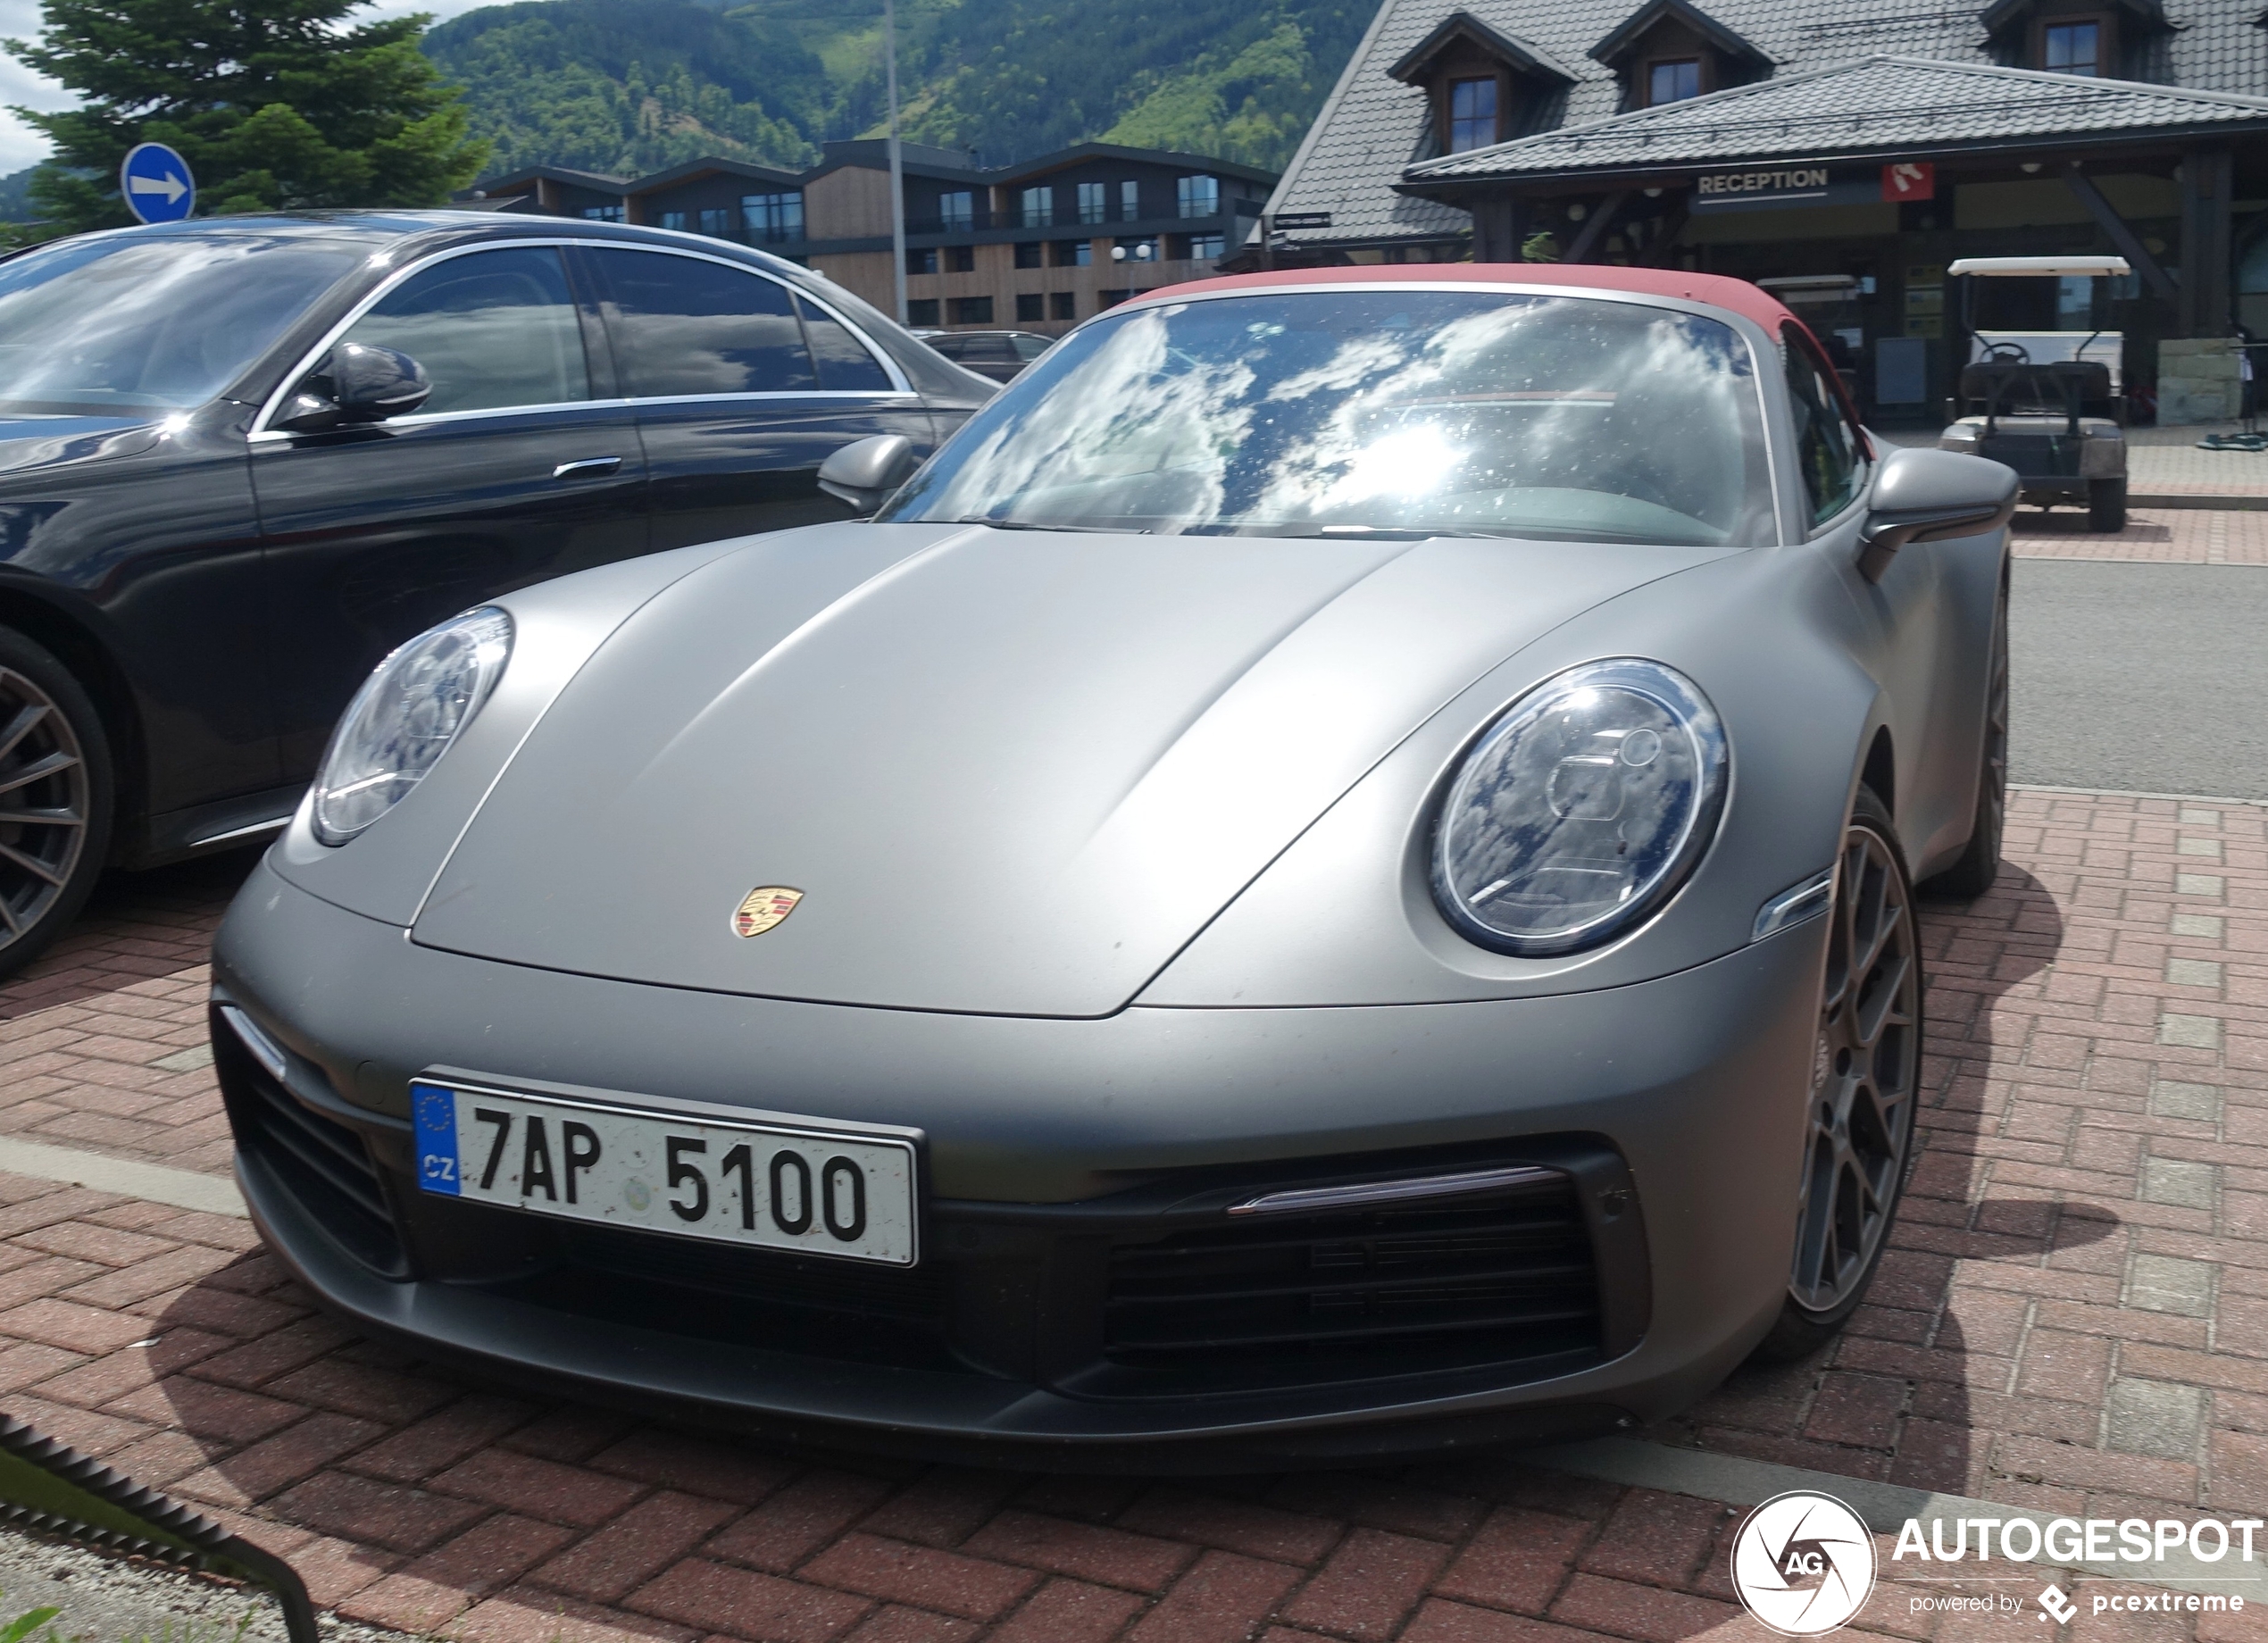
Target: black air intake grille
1285,1299
321,1162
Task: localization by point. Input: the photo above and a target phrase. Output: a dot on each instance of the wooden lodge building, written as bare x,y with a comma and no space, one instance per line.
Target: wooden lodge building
1841,153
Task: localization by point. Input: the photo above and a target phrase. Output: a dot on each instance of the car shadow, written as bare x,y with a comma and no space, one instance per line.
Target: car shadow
135,926
1917,1385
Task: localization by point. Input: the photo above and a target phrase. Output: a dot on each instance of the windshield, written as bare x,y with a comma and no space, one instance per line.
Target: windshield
1349,412
2048,302
101,326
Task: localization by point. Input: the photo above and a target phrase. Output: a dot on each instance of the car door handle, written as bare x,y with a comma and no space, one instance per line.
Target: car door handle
589,466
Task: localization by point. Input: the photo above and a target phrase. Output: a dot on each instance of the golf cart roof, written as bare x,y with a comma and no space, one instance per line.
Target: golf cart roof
2037,265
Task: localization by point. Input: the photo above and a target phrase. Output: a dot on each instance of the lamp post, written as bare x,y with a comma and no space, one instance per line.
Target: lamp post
897,165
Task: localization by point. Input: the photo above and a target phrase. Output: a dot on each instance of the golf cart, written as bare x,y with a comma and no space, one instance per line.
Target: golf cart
2044,388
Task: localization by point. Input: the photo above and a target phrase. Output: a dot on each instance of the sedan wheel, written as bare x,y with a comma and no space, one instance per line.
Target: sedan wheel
1864,1077
54,796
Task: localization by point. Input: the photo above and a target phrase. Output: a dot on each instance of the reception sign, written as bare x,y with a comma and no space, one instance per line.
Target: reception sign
1778,186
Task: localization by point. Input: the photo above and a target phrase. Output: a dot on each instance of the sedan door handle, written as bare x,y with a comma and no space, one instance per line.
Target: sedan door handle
589,466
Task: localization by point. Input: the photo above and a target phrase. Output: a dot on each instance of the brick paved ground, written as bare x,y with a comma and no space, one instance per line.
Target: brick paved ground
2167,535
2075,1317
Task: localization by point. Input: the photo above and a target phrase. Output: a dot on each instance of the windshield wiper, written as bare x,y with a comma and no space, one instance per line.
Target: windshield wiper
1025,524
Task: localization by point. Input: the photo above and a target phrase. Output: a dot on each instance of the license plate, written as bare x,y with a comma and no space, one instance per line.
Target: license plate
805,1190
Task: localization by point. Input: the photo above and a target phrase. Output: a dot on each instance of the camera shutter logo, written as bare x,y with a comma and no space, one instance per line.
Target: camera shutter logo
1803,1564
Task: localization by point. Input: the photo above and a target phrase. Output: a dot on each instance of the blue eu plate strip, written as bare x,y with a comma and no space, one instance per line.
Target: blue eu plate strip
434,1111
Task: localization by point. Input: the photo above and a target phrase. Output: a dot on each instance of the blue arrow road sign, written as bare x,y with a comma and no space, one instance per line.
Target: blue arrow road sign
156,184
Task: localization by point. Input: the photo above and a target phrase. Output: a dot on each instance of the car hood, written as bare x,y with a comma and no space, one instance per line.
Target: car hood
42,441
1011,771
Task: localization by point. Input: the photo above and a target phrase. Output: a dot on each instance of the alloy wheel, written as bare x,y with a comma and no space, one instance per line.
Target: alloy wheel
1865,1069
44,803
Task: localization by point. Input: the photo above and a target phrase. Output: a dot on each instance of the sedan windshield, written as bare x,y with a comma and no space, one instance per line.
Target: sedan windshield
140,325
1353,413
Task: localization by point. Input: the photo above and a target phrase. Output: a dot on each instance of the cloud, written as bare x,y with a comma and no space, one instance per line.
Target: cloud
20,145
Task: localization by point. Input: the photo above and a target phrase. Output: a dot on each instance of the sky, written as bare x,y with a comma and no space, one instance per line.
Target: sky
20,145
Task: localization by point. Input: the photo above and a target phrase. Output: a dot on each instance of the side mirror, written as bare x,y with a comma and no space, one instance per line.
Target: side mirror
368,385
865,472
372,383
1932,496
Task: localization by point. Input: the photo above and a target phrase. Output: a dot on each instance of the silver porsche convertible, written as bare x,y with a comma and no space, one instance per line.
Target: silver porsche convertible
1333,875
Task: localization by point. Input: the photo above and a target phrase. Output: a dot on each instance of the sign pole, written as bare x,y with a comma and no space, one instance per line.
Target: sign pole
898,168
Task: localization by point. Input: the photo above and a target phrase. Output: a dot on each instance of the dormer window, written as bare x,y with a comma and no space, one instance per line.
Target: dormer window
1473,114
2071,47
1672,80
1481,86
1670,50
2108,39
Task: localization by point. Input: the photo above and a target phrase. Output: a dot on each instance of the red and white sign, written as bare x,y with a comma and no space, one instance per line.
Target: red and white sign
1911,180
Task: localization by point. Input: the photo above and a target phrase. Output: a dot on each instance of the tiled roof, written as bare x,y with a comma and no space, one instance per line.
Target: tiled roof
1374,127
1877,102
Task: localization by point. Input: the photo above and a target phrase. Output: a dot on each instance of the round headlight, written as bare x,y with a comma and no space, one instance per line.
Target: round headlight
404,717
1581,811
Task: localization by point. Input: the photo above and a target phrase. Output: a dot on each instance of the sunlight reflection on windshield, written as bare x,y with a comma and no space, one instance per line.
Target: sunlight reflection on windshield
1338,411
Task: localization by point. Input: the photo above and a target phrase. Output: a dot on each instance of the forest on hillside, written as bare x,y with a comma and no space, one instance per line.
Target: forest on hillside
634,86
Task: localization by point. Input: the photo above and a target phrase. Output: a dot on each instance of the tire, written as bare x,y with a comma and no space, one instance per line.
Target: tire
56,791
1978,865
2106,504
1859,1121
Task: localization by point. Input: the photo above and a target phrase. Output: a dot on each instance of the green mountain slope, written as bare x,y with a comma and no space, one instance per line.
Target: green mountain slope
632,86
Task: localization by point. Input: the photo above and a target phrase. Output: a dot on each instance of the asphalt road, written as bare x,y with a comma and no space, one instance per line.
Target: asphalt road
2139,678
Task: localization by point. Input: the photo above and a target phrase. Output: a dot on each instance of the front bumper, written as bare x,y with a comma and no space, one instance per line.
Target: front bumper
1068,1164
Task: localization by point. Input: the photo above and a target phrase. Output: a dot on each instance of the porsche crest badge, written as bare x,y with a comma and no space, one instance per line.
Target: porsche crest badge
766,905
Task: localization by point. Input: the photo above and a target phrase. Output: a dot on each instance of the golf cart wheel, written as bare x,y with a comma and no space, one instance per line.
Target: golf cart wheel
2106,504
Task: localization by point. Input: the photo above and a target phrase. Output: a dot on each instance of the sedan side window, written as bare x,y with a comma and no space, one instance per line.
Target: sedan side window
845,365
1829,450
493,329
685,325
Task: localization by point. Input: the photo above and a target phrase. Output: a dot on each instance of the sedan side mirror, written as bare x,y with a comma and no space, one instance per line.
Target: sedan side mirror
1932,496
368,385
373,383
865,472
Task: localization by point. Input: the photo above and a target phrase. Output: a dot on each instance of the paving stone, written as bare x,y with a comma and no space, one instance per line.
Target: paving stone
2178,1181
2204,925
2211,885
2193,973
2155,1417
2196,1032
2171,1283
2172,1099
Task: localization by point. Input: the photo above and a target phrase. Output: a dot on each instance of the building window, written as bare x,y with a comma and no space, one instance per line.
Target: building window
972,311
1063,305
717,222
958,211
2071,48
1205,247
773,217
1039,207
960,259
921,260
1472,113
605,213
1094,202
1031,254
1110,300
1130,201
922,312
1071,253
673,220
1673,81
1199,196
1031,305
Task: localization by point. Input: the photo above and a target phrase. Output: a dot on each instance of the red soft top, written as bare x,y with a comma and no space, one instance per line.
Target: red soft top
1716,289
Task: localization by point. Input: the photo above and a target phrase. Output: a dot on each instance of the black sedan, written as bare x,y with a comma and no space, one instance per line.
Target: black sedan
242,459
998,354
